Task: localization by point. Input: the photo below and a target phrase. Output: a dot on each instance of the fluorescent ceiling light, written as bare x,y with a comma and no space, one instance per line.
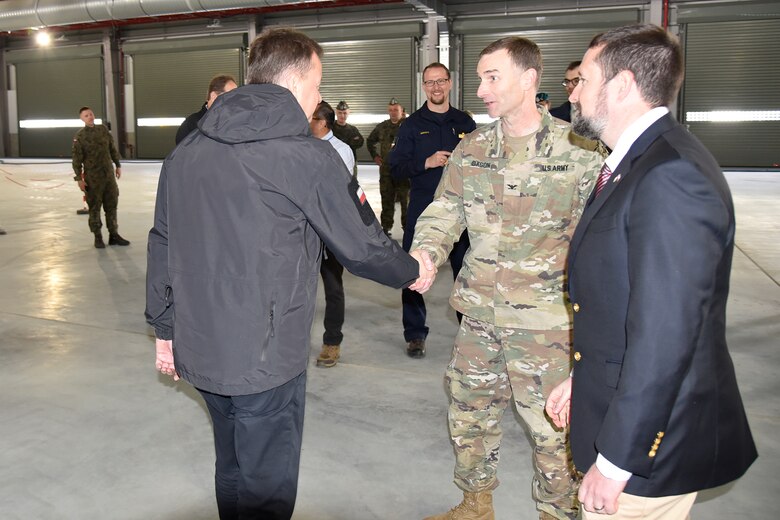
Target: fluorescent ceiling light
732,116
366,119
54,123
160,121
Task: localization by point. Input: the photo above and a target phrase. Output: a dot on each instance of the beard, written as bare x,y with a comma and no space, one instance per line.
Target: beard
590,127
437,99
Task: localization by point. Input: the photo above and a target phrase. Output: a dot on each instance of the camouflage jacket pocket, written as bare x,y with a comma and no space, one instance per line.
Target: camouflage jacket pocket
556,201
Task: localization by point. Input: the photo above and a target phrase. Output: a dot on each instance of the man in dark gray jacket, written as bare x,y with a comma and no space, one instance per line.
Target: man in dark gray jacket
243,208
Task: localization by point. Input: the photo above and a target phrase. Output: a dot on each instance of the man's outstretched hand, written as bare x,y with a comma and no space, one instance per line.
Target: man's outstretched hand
427,271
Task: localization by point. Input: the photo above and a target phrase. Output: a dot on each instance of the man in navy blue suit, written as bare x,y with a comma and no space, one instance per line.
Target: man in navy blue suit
656,414
420,153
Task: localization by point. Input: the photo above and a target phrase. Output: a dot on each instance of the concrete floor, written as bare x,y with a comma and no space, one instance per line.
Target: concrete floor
89,430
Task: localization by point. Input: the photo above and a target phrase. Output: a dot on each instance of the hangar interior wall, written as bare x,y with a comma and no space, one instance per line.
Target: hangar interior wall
734,66
53,85
367,74
174,84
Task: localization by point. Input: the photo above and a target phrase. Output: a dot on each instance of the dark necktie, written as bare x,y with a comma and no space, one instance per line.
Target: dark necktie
604,176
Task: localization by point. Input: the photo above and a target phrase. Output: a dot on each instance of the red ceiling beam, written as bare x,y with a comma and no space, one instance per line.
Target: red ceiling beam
210,15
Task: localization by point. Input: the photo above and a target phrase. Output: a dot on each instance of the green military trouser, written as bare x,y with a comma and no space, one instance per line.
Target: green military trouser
392,190
491,365
102,191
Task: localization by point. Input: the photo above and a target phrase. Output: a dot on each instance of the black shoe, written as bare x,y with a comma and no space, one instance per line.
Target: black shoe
416,348
82,211
99,241
116,240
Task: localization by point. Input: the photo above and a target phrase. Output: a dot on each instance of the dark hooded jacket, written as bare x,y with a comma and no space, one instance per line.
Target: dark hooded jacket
234,254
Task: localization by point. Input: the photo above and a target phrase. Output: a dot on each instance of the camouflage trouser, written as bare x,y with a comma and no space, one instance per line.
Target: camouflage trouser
102,192
491,365
392,190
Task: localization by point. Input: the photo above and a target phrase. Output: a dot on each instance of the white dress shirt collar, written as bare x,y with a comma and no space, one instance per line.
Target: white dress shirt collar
632,133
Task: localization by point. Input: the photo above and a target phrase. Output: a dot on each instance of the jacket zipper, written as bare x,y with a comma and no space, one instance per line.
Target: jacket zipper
271,332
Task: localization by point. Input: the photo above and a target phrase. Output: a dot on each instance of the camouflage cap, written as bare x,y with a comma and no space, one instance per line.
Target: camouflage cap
342,105
393,101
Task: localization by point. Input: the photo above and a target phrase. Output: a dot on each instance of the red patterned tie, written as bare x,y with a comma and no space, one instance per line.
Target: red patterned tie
604,176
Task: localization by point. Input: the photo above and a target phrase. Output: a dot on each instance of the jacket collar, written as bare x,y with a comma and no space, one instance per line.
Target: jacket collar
637,149
429,114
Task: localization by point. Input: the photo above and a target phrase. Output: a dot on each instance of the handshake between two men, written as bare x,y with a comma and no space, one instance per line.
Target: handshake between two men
428,271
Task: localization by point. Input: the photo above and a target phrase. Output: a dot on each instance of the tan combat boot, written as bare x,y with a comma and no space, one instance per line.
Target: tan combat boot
329,355
475,506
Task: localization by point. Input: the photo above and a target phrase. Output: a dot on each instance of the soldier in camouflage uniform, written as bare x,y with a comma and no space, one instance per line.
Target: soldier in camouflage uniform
93,152
518,186
390,189
346,132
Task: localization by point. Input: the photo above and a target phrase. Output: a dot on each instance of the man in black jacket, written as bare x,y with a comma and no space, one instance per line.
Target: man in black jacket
217,86
570,79
421,150
233,261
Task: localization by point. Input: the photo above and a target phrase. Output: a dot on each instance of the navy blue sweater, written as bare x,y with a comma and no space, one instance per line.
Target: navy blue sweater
422,134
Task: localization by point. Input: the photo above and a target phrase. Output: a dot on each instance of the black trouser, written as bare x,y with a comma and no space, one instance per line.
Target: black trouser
332,280
257,439
413,304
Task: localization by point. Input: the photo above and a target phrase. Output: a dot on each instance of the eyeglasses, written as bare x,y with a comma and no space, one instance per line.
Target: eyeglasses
440,82
573,82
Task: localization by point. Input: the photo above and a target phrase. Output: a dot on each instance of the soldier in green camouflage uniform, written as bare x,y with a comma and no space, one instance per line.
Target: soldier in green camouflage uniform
93,153
346,132
519,196
390,189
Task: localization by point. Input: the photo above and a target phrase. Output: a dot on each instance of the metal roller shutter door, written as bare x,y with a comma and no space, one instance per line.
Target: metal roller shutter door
174,84
56,89
734,66
367,73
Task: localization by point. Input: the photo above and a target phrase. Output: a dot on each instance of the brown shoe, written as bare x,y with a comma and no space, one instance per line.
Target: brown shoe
475,506
416,348
329,356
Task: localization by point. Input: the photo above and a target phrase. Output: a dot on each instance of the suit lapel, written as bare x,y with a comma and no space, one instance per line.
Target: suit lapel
637,149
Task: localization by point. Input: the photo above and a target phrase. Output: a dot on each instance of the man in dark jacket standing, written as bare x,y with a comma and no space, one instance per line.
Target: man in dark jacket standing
421,150
233,261
217,86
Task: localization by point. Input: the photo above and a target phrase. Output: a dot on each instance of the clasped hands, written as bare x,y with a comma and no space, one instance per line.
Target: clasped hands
427,271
